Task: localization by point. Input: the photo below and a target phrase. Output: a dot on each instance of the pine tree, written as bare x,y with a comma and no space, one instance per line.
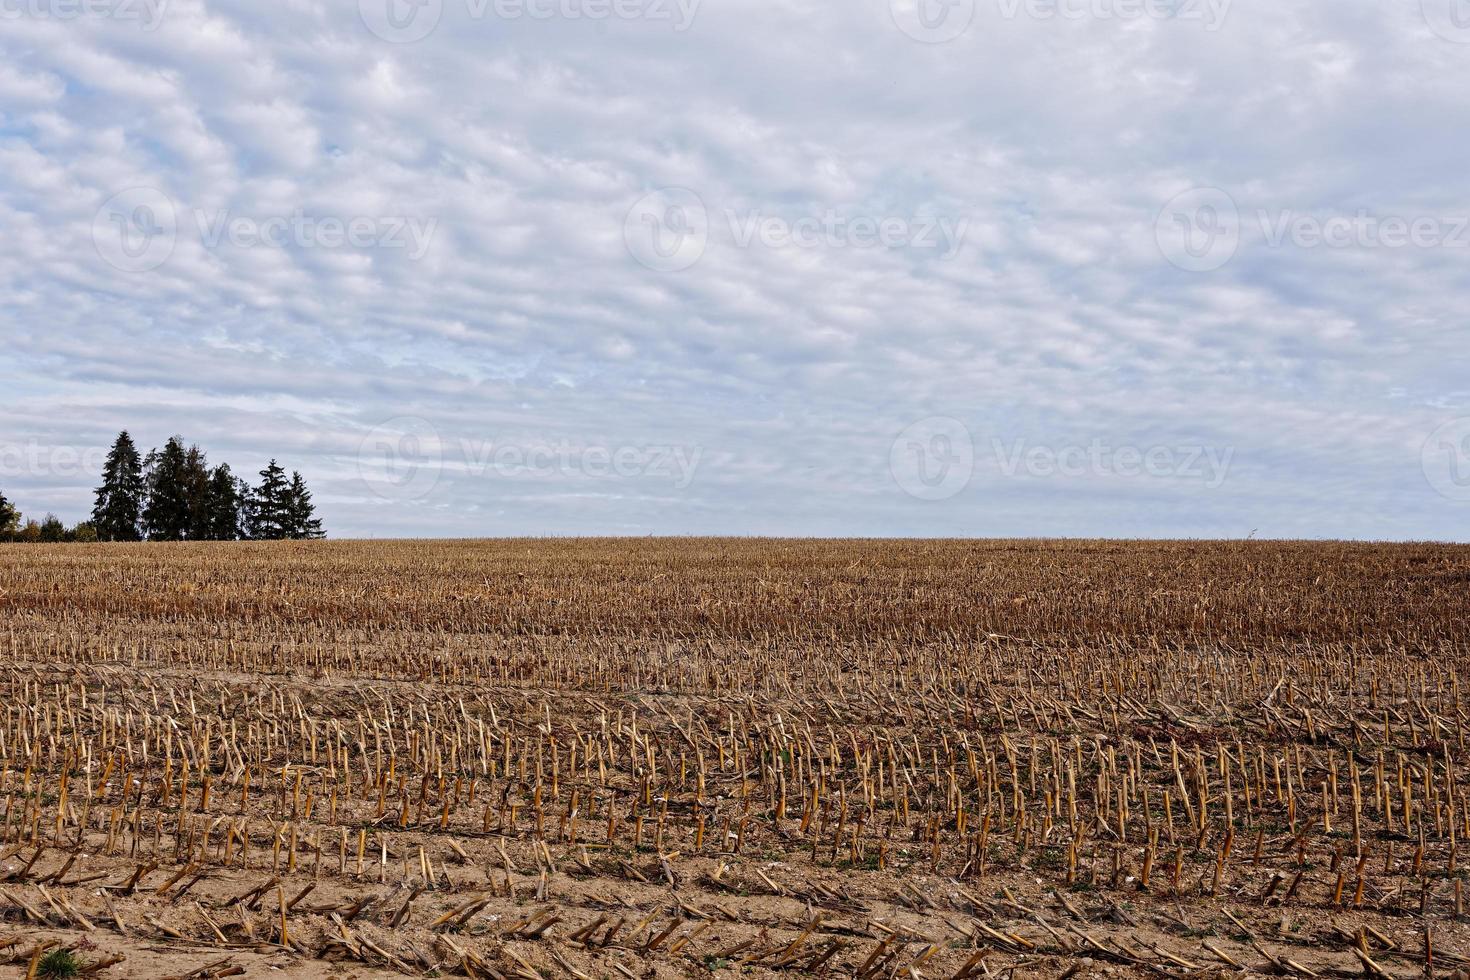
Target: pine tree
302,522
166,516
9,518
119,507
223,506
270,518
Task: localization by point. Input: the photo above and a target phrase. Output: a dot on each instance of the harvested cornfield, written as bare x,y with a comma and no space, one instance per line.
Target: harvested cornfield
583,759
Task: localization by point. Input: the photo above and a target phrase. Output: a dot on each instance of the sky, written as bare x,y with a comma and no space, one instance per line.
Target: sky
1114,268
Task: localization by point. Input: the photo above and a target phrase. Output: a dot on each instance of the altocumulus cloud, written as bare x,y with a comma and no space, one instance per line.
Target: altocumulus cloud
1114,267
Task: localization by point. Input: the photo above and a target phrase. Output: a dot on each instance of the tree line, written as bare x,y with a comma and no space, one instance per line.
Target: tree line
173,494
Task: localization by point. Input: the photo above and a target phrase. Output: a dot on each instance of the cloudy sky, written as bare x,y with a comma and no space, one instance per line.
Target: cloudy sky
870,267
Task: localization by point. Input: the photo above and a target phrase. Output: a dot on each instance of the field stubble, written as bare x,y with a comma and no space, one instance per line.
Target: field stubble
657,758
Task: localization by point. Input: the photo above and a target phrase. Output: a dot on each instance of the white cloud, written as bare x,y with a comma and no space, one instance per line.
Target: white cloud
791,368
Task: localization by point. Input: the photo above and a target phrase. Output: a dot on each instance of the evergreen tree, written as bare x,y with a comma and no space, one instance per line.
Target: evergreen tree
9,519
174,495
270,516
223,506
119,507
196,476
302,522
166,516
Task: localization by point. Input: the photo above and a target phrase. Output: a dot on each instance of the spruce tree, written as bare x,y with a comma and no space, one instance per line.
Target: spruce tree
270,518
174,495
166,515
302,522
196,478
223,507
119,508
